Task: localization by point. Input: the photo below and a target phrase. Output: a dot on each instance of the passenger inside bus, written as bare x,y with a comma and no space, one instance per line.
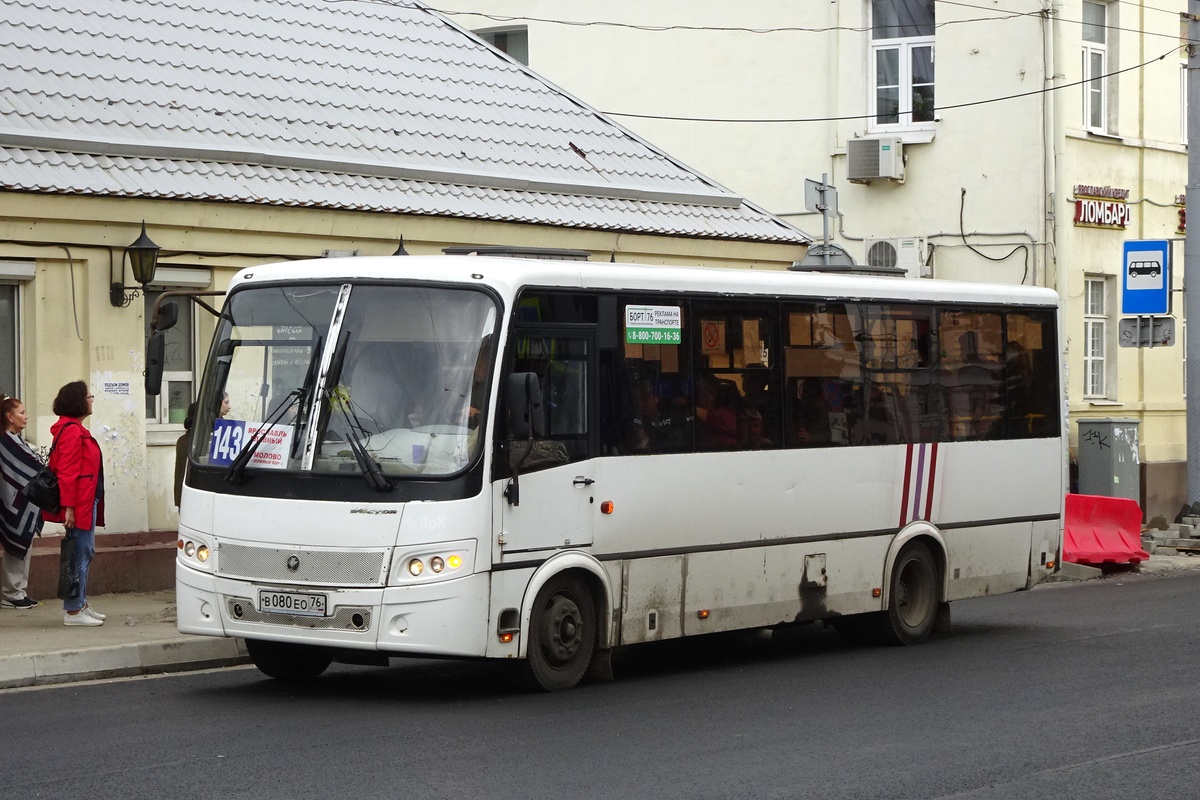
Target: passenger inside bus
716,414
812,411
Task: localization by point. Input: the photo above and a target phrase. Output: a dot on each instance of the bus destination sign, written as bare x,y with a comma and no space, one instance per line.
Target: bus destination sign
653,325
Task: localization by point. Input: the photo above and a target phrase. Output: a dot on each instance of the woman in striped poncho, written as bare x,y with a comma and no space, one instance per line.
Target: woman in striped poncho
19,519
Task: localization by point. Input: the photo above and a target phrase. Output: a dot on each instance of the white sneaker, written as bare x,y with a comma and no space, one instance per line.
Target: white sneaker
93,613
81,619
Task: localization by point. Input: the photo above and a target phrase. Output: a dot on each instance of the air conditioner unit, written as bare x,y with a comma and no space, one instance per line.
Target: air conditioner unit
870,159
906,253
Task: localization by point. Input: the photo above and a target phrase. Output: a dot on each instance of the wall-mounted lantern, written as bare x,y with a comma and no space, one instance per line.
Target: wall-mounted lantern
143,259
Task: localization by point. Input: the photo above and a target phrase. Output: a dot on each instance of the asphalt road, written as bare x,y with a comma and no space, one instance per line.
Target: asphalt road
1069,691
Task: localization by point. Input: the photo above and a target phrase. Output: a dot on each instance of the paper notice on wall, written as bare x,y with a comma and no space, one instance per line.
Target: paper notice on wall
118,388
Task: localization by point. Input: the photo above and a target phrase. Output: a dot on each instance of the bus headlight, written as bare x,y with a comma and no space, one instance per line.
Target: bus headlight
433,562
193,551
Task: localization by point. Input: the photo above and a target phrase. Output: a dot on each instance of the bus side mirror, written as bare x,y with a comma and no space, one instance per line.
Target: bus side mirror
166,316
523,398
155,347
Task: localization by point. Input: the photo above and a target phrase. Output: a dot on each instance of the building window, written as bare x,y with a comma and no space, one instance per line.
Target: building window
1095,66
901,63
1095,338
8,339
1183,103
178,385
513,41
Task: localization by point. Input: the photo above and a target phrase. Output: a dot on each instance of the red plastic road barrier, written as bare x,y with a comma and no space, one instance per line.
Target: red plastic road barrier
1103,530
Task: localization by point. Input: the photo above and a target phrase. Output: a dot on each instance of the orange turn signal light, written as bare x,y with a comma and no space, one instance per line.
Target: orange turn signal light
702,613
877,592
505,638
606,507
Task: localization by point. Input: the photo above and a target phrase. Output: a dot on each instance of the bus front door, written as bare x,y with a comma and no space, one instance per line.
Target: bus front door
553,494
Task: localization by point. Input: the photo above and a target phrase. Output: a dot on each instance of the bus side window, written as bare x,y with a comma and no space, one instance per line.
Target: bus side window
561,365
904,403
738,389
823,377
972,364
652,394
1030,379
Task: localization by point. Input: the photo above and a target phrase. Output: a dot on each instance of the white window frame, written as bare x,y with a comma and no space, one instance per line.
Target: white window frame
11,339
1095,87
1183,103
1097,350
161,417
13,275
904,46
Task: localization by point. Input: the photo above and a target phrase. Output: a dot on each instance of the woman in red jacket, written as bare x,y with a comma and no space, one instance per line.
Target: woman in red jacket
78,464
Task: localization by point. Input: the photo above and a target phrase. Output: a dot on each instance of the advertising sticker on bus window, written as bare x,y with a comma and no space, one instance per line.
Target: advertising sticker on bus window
229,436
653,325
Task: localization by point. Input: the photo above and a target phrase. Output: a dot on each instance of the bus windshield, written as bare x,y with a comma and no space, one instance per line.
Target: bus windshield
348,378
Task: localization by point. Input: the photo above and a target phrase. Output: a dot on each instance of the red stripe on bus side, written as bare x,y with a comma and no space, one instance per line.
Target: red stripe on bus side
907,477
932,476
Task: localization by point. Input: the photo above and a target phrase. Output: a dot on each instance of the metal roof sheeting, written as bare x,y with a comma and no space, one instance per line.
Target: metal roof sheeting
349,105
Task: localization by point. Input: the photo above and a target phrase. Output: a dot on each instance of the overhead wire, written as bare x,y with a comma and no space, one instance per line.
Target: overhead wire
1000,99
997,14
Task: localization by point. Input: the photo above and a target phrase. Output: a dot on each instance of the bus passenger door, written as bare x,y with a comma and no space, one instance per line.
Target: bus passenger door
553,484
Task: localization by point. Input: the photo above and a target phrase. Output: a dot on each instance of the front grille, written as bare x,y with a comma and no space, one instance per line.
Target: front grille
345,618
332,567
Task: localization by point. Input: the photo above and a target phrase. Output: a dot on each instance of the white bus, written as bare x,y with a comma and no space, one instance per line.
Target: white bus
544,460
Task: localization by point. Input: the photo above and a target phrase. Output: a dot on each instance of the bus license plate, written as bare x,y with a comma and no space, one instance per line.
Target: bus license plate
298,603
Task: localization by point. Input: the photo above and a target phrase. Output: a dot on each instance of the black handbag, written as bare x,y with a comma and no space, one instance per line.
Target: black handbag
42,490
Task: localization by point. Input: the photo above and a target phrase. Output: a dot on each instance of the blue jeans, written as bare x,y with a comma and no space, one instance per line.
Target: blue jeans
85,549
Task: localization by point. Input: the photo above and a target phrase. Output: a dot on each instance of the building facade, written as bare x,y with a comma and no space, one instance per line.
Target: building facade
1023,144
348,129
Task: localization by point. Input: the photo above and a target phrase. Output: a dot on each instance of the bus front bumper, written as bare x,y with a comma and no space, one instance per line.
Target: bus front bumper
448,618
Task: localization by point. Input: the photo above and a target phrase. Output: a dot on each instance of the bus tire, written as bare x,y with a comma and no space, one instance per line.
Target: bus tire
910,615
288,662
562,634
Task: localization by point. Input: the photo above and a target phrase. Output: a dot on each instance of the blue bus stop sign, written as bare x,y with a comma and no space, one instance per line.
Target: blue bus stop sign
1146,277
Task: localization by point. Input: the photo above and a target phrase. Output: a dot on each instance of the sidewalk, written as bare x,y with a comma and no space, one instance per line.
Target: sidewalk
139,637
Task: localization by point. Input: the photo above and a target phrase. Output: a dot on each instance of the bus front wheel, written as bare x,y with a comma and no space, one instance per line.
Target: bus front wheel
288,662
914,597
562,634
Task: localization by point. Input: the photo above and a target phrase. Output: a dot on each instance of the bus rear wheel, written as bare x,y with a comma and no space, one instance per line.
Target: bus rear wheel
288,662
562,634
914,598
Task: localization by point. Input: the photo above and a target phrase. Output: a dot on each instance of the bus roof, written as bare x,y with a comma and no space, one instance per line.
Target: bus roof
508,275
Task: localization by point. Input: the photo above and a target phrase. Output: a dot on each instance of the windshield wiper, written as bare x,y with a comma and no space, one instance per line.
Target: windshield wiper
236,474
371,470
